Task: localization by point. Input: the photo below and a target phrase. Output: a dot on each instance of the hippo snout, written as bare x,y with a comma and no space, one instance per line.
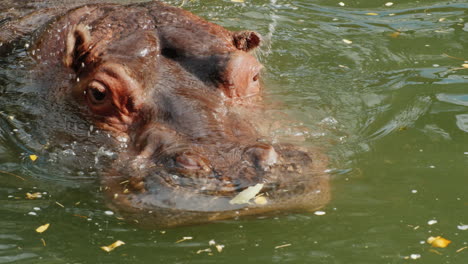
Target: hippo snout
192,162
263,156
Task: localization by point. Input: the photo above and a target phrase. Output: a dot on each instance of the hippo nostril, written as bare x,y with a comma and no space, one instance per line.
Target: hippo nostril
192,161
264,155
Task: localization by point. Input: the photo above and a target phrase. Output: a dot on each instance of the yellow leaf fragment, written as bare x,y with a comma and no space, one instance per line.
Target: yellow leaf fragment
438,241
237,1
32,196
184,239
465,65
112,246
372,14
33,157
246,195
42,228
43,242
395,34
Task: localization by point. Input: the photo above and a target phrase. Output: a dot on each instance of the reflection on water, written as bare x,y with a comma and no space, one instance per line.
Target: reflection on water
459,99
389,105
462,122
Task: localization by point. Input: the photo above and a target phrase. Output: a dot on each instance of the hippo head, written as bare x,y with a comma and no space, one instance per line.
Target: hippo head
183,94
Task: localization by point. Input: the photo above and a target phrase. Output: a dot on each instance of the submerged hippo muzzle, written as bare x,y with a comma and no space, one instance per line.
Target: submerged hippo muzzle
199,183
186,96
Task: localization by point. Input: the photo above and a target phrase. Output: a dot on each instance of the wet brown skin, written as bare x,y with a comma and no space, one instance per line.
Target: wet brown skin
184,94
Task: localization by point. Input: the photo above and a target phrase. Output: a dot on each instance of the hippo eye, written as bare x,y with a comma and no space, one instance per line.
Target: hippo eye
256,77
96,93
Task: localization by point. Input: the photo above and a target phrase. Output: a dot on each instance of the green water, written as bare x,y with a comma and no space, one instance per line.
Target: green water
381,88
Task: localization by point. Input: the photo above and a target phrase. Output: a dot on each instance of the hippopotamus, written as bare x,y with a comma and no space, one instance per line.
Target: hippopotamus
176,99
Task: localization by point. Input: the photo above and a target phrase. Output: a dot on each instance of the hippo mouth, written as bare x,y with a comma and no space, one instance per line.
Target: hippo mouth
178,191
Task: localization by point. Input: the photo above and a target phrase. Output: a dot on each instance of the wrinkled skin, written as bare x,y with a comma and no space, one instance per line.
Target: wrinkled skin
184,96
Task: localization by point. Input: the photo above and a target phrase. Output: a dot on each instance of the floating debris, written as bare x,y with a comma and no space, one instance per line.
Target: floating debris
113,246
12,174
413,256
246,195
432,222
184,239
260,200
32,196
80,216
372,14
341,4
461,249
319,213
347,41
388,4
42,228
283,246
438,241
207,250
33,157
395,34
219,248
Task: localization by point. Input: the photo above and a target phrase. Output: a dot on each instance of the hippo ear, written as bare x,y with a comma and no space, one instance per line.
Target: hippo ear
246,40
76,46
